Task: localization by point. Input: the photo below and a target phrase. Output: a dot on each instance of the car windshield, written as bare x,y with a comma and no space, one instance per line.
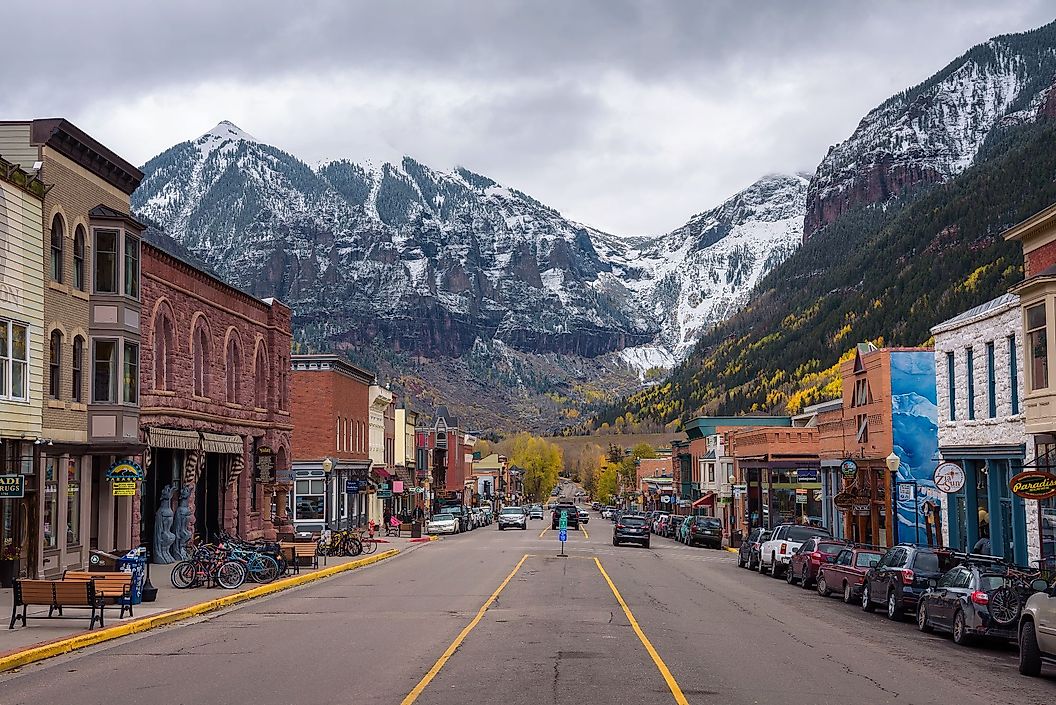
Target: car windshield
799,534
992,582
708,521
633,521
443,517
932,562
512,510
864,560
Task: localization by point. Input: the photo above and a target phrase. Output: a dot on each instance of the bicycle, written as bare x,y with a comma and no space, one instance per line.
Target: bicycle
209,564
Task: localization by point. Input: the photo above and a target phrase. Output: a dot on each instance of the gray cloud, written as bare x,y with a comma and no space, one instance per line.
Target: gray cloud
626,115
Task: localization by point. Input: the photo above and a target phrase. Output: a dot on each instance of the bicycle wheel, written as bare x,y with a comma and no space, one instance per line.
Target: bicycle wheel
230,575
262,569
183,574
355,547
369,546
1005,605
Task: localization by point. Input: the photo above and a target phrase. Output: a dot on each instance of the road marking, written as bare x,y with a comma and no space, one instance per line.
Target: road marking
660,665
585,534
541,533
431,674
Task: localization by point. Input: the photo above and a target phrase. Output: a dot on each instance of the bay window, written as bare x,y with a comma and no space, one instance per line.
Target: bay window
130,378
1037,347
105,275
131,266
104,371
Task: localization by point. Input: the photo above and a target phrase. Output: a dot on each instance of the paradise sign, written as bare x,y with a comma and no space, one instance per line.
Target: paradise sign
1033,484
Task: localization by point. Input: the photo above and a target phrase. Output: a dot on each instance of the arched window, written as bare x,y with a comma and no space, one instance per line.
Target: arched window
58,235
163,352
201,362
78,363
78,258
54,364
261,391
234,370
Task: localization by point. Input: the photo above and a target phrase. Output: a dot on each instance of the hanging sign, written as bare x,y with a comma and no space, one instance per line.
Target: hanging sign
351,486
1033,484
807,475
124,488
12,486
949,477
849,469
860,508
124,470
397,487
265,462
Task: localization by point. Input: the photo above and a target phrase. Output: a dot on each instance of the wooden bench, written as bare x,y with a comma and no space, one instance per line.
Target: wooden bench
301,550
114,587
56,594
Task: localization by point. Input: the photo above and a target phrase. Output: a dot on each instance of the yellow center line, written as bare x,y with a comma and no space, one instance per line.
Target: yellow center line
431,674
541,533
584,530
660,665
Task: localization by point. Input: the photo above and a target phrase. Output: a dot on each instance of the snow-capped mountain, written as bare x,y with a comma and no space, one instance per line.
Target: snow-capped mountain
433,261
937,129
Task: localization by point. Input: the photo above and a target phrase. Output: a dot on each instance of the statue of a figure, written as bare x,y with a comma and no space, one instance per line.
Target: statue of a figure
182,526
163,536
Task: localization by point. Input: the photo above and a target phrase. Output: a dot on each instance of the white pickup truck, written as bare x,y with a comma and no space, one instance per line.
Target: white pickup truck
775,554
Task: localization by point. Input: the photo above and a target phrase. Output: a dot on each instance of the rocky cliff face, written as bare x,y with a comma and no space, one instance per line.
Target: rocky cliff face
935,130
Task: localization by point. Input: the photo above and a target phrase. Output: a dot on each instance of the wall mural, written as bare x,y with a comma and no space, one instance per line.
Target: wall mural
915,433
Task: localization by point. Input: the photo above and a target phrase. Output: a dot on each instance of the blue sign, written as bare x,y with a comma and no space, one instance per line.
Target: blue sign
807,475
125,470
562,535
351,486
666,499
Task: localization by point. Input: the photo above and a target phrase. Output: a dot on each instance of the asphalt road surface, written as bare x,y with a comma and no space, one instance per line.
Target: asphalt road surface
412,630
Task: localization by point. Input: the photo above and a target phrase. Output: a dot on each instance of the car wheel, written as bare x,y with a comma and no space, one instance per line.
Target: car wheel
804,579
775,572
922,617
894,610
867,602
1029,653
500,527
848,593
760,567
646,544
790,575
822,588
961,637
615,542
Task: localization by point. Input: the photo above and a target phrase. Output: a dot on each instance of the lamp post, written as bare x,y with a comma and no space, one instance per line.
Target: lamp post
893,463
328,466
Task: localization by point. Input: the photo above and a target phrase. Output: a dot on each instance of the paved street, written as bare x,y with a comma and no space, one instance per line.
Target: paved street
554,634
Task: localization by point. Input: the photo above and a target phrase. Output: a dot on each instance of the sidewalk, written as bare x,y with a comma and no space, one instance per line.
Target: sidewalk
42,631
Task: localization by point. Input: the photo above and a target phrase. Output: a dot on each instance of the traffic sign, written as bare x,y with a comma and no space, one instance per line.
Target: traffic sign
562,535
562,522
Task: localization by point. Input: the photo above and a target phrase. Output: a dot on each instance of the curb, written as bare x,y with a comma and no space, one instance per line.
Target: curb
732,550
62,646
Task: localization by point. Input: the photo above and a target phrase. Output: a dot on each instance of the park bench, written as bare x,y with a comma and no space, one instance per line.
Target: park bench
298,551
56,594
113,586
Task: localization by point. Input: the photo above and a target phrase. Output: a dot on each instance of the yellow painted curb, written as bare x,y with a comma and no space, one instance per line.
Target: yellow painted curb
732,550
62,646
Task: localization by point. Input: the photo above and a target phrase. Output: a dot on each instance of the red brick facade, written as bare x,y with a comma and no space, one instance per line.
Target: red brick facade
1039,260
215,359
330,410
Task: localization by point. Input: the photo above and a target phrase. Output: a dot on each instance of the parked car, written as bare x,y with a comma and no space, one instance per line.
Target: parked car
847,573
806,562
443,523
749,546
706,531
682,528
631,528
1037,630
776,552
902,575
978,598
460,513
595,506
512,518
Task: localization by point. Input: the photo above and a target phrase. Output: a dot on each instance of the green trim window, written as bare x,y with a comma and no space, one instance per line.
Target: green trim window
951,385
970,360
991,381
131,266
1013,371
130,378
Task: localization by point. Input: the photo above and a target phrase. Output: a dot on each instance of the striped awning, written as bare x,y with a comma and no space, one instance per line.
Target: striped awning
238,464
192,463
172,438
222,443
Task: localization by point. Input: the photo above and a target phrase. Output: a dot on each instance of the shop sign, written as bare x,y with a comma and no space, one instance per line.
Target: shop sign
397,486
849,469
265,461
905,491
384,494
860,509
666,499
844,502
352,486
284,475
1033,484
124,488
949,477
801,499
807,475
12,486
124,470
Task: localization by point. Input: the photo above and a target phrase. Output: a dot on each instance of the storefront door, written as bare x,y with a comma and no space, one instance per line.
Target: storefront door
207,519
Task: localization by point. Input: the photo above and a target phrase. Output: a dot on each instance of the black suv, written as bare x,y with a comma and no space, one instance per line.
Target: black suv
573,516
632,528
902,576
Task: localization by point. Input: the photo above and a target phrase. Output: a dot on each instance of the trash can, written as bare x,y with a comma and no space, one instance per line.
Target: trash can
736,539
416,529
103,561
135,562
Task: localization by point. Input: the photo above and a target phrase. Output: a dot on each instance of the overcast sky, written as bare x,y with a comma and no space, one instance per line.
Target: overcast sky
629,116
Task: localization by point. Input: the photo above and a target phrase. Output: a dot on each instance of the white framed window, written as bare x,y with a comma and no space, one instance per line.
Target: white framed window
14,360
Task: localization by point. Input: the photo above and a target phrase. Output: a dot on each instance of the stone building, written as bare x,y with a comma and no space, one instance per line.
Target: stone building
982,429
215,404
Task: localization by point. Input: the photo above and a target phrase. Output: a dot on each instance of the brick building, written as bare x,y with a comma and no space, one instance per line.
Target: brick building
215,406
450,451
331,421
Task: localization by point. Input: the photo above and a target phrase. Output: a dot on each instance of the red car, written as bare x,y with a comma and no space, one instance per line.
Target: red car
847,573
806,562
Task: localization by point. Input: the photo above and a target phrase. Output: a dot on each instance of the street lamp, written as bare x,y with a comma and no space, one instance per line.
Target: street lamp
893,461
328,466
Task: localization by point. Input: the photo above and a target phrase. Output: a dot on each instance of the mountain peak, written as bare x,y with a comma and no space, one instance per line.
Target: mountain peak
227,130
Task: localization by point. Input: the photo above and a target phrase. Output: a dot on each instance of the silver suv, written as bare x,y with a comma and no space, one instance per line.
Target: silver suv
1037,630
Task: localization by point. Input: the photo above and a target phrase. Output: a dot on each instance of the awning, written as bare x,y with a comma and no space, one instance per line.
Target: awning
171,438
222,443
238,464
382,472
708,498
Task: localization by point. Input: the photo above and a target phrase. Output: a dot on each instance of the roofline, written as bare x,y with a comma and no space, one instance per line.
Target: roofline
1020,231
947,326
340,363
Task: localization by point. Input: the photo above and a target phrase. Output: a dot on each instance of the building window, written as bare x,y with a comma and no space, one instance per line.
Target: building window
1013,372
104,370
261,389
78,362
234,371
951,385
131,266
51,501
308,499
73,501
991,381
163,352
54,364
201,363
14,361
862,422
130,378
105,275
861,393
970,360
58,234
1038,345
78,258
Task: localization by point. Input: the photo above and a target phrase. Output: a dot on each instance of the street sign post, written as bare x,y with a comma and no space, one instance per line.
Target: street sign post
562,533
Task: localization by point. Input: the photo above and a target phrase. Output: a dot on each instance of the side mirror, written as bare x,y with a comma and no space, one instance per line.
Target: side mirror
1039,585
874,563
933,583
